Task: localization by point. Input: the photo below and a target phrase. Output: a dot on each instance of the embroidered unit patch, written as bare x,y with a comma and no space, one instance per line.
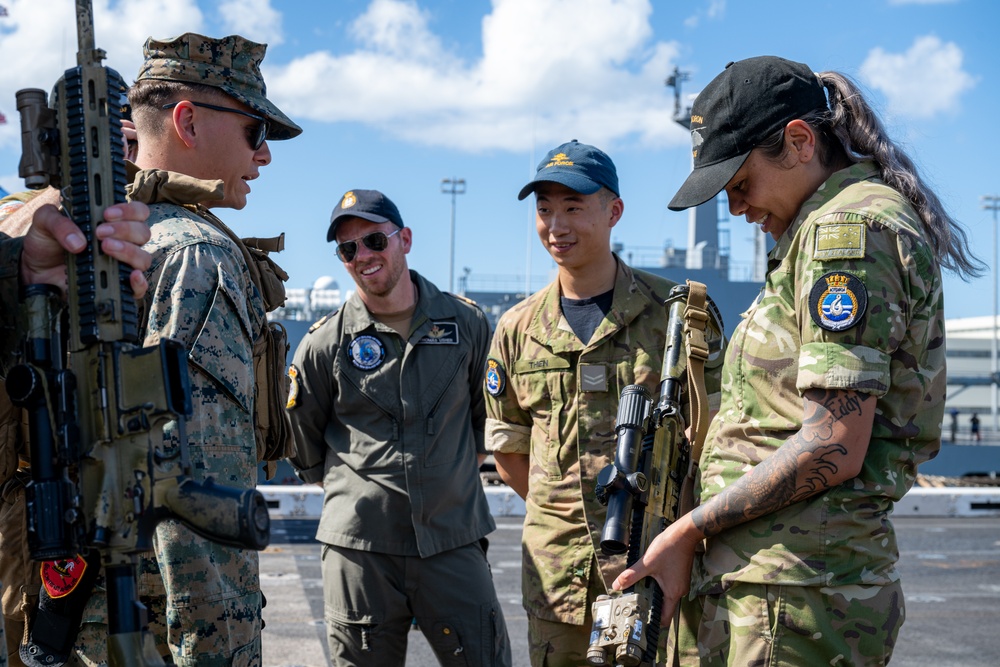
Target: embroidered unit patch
496,378
837,301
366,352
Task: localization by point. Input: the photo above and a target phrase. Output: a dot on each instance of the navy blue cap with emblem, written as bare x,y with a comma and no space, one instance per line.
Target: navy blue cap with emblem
579,167
369,205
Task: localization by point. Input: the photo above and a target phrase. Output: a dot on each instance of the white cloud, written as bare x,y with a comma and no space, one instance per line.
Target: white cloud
926,80
550,70
39,42
254,19
715,10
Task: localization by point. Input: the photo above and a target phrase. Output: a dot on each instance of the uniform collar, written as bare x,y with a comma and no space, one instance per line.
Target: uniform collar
866,170
153,186
430,306
628,301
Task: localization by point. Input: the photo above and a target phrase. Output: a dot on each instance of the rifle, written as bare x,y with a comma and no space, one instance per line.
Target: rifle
644,489
101,475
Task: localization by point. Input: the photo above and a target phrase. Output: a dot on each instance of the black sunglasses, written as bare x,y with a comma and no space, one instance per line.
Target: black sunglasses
376,241
256,136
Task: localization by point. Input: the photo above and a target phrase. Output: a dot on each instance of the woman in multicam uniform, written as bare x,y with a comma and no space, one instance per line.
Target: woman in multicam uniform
833,385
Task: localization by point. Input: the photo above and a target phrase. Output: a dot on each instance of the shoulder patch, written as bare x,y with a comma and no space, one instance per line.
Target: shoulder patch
496,377
293,387
320,322
837,301
842,240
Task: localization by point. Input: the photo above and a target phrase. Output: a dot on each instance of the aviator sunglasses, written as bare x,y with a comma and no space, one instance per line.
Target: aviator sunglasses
255,136
376,241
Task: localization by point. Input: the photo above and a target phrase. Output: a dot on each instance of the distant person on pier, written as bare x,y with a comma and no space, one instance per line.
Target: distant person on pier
974,427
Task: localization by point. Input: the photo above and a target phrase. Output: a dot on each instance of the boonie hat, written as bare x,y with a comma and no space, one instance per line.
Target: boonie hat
579,167
369,205
230,63
741,107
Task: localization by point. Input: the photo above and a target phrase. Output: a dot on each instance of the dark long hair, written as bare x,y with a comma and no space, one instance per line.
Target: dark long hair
851,129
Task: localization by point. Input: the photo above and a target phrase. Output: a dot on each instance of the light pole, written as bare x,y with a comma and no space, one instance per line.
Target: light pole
452,186
992,203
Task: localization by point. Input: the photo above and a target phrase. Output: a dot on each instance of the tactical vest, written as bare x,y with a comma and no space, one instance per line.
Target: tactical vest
272,428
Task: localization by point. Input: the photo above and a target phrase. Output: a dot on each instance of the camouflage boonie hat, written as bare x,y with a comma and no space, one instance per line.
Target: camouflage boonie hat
230,63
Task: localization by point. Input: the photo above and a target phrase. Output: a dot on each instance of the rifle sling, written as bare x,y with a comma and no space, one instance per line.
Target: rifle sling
696,348
696,345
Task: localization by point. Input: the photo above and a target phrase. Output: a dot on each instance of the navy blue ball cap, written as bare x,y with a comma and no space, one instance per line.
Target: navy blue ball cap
366,204
741,107
579,167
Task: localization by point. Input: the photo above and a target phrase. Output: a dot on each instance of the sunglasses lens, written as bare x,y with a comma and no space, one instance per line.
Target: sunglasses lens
347,250
259,135
376,241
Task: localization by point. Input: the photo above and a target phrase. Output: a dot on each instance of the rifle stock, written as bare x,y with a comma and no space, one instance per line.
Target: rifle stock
643,492
102,473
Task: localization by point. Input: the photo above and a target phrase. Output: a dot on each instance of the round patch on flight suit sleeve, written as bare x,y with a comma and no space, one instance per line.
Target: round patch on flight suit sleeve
293,387
496,377
837,301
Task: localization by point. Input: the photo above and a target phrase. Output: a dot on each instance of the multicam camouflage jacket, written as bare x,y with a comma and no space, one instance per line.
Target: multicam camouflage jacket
554,398
853,300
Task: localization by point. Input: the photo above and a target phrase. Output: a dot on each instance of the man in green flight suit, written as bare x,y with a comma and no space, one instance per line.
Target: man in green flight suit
388,415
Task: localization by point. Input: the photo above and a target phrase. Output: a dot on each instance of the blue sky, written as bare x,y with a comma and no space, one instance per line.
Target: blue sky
397,95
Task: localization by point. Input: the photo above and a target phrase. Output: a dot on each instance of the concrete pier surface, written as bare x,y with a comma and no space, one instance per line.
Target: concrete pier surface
950,569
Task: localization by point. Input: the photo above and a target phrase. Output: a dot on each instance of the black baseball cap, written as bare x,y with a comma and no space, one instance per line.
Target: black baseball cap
366,204
579,167
741,107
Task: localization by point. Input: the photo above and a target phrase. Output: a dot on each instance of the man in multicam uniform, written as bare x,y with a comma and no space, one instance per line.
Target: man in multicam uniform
557,365
35,218
835,378
202,120
388,415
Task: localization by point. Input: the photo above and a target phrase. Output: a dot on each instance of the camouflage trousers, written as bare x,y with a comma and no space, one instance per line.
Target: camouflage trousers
767,626
204,603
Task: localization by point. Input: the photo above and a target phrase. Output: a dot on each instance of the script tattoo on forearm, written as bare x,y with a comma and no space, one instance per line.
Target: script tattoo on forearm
800,468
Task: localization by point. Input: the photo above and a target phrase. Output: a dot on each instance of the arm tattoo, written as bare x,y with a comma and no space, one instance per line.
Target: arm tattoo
800,468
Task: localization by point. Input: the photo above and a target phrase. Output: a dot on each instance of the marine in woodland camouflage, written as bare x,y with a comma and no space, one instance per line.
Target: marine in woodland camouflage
556,400
206,596
866,236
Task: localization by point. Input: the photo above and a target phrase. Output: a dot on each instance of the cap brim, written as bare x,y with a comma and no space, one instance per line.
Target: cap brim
331,233
705,182
573,181
282,127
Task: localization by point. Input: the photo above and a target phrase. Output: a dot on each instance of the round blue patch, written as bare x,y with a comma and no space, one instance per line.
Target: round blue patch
837,301
366,352
496,379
